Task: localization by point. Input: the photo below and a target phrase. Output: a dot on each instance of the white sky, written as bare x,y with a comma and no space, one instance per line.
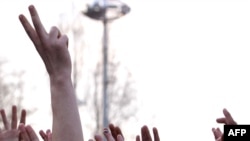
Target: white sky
190,60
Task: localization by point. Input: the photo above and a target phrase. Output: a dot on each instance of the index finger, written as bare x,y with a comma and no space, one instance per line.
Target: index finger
14,118
41,32
42,134
145,134
137,138
229,118
119,131
113,131
31,133
4,118
23,116
156,134
217,133
24,134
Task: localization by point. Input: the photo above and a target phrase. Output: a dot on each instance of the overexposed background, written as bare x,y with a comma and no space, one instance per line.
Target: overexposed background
190,59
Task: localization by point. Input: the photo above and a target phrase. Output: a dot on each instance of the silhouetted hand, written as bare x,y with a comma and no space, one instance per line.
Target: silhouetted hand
52,46
227,120
115,131
28,133
145,134
46,136
218,135
10,131
107,134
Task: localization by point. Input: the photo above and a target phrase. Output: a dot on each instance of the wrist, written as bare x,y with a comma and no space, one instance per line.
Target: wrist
60,78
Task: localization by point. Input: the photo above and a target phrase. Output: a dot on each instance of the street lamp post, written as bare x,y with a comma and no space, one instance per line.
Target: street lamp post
105,69
106,11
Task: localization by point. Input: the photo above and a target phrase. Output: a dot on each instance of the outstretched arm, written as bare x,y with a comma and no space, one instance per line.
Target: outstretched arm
53,49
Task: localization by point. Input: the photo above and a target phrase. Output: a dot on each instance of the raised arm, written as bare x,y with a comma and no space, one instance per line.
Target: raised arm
53,49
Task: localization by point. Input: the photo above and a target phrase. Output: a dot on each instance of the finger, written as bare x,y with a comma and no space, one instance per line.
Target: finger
112,130
222,137
23,117
108,135
137,138
219,139
98,138
14,118
219,131
5,121
32,34
42,134
145,134
221,120
48,131
31,133
54,33
156,134
119,131
30,30
49,136
41,32
229,118
120,138
216,133
64,40
24,134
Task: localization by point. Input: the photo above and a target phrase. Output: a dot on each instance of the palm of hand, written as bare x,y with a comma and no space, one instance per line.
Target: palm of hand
9,135
10,131
56,63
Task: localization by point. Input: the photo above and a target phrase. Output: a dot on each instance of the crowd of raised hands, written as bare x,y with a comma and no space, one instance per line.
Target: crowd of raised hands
52,47
14,131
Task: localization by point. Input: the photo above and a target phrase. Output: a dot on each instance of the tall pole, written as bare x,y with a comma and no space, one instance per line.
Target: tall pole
101,14
105,67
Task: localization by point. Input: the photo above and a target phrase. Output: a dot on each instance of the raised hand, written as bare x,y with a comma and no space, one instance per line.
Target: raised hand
27,133
227,120
52,46
10,131
145,134
53,49
46,136
218,135
108,136
115,131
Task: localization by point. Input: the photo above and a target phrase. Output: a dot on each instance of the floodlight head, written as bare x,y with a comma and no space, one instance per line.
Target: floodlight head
111,10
